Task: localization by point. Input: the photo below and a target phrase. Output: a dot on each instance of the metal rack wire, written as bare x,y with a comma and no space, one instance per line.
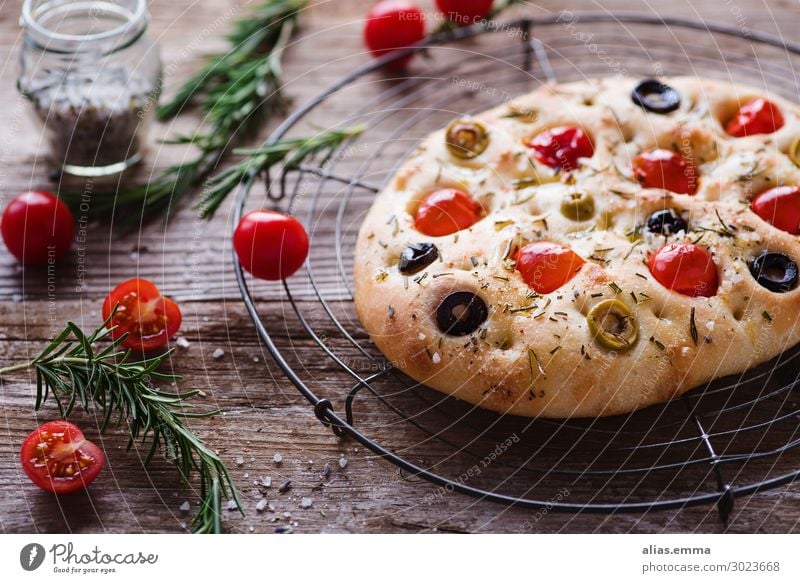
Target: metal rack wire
735,437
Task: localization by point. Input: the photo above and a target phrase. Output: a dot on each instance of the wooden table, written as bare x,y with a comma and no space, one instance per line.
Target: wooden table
263,413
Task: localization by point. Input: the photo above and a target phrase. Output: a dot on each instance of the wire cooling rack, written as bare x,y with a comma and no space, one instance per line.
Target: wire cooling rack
734,437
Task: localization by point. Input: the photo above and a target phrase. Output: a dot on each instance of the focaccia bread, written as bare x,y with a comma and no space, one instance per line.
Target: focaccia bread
590,248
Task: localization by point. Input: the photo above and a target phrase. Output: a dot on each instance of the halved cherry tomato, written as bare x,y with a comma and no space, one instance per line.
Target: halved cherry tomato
545,266
37,226
759,116
780,207
686,269
148,318
270,245
464,12
393,24
59,459
665,169
561,147
446,211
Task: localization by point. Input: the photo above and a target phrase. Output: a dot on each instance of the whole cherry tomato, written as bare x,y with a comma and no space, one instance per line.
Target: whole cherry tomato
148,318
393,24
58,458
37,227
561,147
759,116
665,169
686,269
464,12
270,245
446,211
780,207
546,266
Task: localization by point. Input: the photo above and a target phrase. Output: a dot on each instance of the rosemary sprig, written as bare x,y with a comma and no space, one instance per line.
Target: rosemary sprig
75,371
236,91
291,153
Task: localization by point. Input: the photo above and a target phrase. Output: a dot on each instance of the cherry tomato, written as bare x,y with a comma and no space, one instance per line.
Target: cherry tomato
760,116
545,266
561,147
393,24
37,226
270,245
446,211
665,169
464,12
686,269
59,459
780,207
149,319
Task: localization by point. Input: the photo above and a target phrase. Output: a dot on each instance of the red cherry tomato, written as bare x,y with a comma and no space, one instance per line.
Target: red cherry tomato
686,269
665,169
545,267
59,459
37,226
446,211
780,207
149,319
393,24
561,147
464,12
760,116
270,245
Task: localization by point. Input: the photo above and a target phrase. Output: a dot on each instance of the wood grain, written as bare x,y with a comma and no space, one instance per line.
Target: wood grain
264,414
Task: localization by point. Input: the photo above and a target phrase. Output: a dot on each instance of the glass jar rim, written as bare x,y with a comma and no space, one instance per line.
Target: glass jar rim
31,21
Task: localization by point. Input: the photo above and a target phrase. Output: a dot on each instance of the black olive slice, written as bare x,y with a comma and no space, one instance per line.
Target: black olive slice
775,271
461,313
656,97
417,256
666,222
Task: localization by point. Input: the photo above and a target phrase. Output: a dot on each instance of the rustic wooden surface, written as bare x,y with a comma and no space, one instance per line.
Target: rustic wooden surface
264,414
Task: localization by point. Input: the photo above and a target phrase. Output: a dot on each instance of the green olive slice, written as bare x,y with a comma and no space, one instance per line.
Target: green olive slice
794,151
578,206
466,138
613,326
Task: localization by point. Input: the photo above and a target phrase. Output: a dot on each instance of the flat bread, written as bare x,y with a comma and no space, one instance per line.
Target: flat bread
535,354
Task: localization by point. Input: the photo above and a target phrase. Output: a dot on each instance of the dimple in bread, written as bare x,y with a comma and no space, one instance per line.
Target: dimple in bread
458,312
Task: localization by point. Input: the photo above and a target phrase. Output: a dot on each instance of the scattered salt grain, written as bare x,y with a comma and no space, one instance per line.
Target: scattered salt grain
182,342
685,351
217,354
436,358
232,505
421,336
185,507
271,507
239,461
306,503
287,514
266,481
261,506
710,325
277,458
326,471
343,462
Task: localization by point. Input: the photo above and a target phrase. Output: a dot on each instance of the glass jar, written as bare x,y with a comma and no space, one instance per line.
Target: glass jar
93,78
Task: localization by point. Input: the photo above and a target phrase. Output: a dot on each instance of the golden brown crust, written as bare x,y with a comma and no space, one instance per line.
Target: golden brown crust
534,356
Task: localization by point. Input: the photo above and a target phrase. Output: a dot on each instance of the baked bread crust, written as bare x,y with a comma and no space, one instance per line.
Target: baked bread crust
535,356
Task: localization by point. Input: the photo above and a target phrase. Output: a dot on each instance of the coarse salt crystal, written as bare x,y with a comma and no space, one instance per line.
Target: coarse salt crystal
710,324
306,503
262,505
239,461
422,336
182,342
266,481
436,358
185,507
217,354
277,458
343,463
232,505
685,351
